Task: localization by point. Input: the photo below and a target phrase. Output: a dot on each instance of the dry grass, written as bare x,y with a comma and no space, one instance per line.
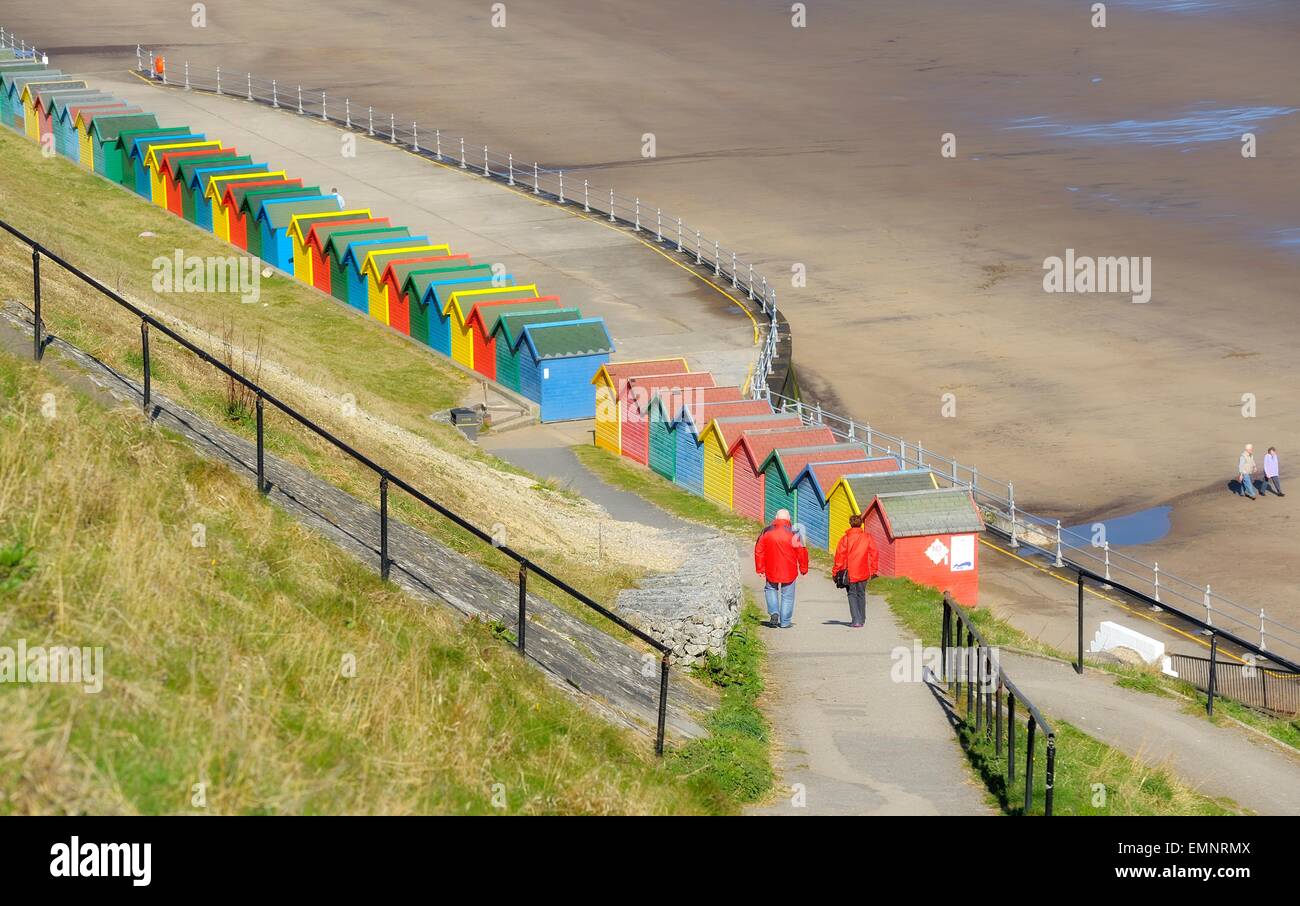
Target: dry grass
358,379
225,662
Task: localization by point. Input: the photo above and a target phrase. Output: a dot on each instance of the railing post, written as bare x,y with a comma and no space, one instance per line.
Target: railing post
1209,608
510,169
392,128
1263,635
218,80
977,654
663,704
1060,561
1106,549
383,526
717,259
1029,764
945,637
323,114
659,225
521,630
250,86
561,195
971,670
37,326
463,165
734,284
638,214
1078,667
487,171
1156,572
698,257
1214,674
586,198
187,75
1011,738
679,235
537,184
262,487
437,143
997,716
370,120
958,666
347,112
611,205
144,356
1050,778
275,94
1011,498
415,136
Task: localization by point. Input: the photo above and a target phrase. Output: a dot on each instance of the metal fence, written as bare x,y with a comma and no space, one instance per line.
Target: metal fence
969,660
1063,547
149,325
1263,688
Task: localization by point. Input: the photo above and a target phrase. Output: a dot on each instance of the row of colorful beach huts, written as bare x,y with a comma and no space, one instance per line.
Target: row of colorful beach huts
478,314
708,439
754,461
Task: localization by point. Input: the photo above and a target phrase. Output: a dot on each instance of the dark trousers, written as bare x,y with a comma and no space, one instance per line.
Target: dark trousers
858,601
1277,485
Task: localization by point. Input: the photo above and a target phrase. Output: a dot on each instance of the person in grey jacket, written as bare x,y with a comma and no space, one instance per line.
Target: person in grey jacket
1246,471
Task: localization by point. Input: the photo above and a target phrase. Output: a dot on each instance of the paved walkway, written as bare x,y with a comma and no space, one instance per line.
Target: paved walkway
854,741
848,740
652,309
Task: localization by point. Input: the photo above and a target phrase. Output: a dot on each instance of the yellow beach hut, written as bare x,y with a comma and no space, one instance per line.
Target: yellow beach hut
457,309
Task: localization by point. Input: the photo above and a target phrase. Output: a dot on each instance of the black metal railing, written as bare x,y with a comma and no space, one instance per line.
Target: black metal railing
971,662
1264,688
386,478
1255,658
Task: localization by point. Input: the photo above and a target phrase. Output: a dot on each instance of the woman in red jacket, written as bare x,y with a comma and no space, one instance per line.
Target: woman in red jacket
781,557
858,559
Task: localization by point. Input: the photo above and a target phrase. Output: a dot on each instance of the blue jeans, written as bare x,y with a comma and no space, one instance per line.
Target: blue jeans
1248,486
780,601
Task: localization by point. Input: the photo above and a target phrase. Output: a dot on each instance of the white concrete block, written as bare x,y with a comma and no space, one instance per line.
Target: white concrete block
1112,635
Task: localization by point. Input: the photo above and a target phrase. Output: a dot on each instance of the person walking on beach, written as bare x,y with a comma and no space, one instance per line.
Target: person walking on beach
334,190
781,557
856,558
1271,472
1246,471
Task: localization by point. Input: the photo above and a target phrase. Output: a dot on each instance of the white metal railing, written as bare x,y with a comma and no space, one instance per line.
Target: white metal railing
21,48
996,498
564,187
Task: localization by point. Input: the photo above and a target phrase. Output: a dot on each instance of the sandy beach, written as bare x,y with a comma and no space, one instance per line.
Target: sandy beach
821,146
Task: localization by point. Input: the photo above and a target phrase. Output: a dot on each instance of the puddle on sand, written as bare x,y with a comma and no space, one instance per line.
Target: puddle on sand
1196,6
1142,527
1199,124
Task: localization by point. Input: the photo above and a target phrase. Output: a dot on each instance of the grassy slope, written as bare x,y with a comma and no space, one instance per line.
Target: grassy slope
353,358
225,662
1132,786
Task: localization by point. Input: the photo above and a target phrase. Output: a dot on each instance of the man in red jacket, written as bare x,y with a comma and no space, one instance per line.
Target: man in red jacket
781,557
858,559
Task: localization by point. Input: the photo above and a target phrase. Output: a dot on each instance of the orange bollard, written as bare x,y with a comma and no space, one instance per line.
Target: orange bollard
159,69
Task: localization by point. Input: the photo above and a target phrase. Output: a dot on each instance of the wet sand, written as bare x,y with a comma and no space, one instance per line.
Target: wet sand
820,146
